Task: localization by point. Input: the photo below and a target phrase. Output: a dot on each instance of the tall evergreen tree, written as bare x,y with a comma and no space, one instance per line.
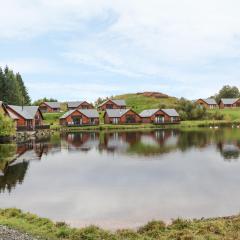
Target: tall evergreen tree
12,88
23,90
3,94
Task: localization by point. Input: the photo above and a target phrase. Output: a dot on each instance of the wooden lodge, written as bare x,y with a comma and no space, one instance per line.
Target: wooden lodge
27,118
112,104
121,116
160,116
209,103
229,103
49,107
80,117
79,105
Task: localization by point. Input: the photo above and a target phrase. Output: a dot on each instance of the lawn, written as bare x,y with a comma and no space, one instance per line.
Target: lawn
52,118
179,229
229,114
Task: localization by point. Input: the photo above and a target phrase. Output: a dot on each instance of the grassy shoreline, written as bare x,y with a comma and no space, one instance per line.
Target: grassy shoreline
45,229
182,125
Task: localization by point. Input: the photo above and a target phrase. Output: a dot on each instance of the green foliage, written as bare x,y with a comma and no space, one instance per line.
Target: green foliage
190,111
6,125
12,88
52,118
42,228
39,101
227,92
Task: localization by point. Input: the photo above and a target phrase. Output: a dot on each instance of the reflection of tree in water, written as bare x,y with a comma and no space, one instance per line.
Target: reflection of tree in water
13,175
188,139
7,154
229,151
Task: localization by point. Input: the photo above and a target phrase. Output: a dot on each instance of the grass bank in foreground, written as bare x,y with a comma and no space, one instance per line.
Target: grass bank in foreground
216,228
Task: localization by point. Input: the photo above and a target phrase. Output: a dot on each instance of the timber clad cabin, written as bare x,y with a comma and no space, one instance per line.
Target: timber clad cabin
112,104
26,117
121,116
209,103
80,117
229,103
160,116
49,107
79,105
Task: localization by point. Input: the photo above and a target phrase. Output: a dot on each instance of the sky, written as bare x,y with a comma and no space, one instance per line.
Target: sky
85,49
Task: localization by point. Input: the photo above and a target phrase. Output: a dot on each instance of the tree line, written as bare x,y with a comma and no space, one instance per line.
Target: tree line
12,88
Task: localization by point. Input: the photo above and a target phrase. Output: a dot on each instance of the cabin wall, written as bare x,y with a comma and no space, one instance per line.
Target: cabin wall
85,120
202,103
44,108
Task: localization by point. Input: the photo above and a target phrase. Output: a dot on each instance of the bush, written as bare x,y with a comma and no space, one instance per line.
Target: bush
6,126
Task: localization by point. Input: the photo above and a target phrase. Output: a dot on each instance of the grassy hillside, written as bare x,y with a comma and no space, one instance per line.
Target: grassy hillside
179,229
139,102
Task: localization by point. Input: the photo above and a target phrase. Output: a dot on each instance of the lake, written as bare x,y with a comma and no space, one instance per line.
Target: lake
124,179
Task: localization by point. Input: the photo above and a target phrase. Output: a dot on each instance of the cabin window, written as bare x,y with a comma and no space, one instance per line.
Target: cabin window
109,106
92,120
130,119
159,119
77,120
115,120
174,119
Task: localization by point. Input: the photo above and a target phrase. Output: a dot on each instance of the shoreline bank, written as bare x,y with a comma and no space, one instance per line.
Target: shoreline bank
43,228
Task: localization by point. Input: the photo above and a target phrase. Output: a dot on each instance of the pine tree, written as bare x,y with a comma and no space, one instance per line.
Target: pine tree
23,90
12,88
3,96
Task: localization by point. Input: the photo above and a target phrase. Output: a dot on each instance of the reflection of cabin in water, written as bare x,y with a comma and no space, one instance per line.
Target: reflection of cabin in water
83,141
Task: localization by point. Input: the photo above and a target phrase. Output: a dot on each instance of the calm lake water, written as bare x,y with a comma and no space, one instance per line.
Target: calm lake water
124,179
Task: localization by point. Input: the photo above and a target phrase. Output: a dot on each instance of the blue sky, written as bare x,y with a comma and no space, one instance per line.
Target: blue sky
84,49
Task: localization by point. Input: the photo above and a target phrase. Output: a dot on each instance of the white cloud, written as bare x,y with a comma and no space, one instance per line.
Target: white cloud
171,40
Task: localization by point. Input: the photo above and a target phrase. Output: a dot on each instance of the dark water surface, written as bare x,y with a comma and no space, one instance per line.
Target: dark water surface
124,179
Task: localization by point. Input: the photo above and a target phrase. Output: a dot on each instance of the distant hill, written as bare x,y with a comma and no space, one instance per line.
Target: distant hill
147,100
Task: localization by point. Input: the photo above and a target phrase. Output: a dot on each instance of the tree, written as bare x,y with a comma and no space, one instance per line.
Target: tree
191,111
6,125
12,88
25,97
227,92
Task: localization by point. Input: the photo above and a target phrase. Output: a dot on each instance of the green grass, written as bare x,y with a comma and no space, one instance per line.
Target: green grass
52,118
229,114
179,229
140,102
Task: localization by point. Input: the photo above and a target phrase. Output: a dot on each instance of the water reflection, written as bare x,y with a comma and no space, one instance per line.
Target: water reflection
100,177
15,158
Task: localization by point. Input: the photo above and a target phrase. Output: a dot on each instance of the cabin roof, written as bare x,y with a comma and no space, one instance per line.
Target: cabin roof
116,113
210,101
171,112
53,104
27,112
229,100
74,104
148,112
90,113
119,102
